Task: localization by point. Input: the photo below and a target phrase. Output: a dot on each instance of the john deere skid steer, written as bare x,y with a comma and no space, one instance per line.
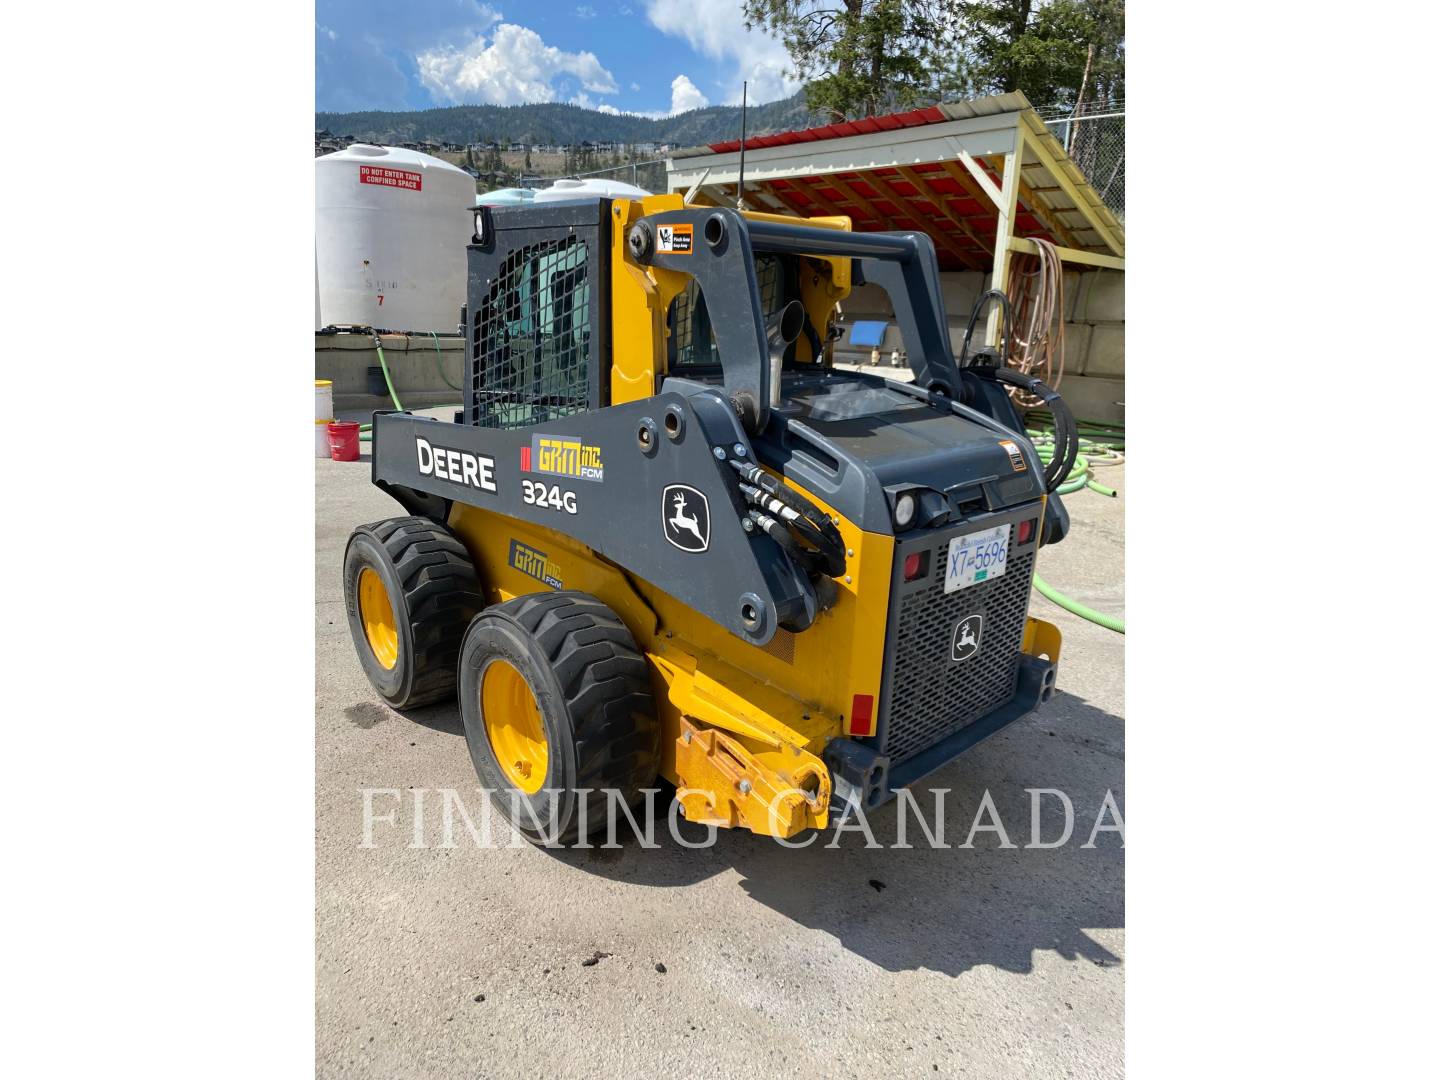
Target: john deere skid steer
667,538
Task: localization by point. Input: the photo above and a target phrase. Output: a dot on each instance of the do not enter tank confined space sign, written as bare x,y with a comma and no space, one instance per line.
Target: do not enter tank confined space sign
396,178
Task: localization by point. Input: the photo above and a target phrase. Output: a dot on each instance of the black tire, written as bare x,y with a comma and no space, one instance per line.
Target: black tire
591,686
433,591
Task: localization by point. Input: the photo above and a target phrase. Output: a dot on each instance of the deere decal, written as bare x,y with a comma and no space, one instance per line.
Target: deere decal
535,564
562,455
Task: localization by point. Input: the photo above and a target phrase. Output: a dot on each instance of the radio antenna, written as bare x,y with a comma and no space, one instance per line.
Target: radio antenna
740,187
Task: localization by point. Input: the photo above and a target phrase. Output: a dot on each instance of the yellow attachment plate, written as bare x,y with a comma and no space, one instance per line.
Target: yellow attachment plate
378,618
513,726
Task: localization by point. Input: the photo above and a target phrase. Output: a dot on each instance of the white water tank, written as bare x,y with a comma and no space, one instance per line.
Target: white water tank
570,190
391,227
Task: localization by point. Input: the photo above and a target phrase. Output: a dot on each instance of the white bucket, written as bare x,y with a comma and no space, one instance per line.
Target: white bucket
322,438
324,400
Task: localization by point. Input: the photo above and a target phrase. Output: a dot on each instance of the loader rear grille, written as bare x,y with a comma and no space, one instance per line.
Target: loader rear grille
930,695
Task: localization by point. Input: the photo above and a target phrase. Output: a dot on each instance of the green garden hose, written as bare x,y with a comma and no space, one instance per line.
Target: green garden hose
385,370
1101,445
394,397
439,369
1077,608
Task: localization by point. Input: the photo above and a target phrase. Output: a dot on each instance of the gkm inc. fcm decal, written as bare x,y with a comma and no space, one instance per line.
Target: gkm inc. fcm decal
562,455
685,517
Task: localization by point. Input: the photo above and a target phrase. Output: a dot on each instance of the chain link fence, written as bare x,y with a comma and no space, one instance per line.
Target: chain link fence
1096,143
649,175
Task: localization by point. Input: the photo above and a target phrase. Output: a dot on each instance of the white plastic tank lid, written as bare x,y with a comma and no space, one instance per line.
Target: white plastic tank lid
505,197
572,190
393,155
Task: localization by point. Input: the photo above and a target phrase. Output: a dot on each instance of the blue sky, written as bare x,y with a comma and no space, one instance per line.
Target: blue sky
656,57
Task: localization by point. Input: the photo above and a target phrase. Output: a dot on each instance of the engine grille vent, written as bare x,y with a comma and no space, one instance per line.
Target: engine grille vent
933,696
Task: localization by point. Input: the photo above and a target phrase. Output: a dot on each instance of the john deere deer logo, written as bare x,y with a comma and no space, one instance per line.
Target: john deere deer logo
966,641
685,513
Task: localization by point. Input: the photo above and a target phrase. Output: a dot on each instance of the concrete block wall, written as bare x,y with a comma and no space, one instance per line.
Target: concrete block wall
1094,378
344,358
1093,383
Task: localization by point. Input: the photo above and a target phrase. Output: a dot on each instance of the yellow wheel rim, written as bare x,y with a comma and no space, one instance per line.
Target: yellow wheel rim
378,618
514,727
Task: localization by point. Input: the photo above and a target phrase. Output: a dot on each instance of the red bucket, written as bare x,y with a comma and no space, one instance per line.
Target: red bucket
344,440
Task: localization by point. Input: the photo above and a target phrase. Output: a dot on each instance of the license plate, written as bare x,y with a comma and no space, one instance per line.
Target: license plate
977,557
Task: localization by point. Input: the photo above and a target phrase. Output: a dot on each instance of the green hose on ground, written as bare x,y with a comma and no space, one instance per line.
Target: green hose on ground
1101,445
1077,608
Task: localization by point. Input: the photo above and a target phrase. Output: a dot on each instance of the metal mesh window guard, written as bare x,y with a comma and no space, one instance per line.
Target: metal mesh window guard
532,337
692,340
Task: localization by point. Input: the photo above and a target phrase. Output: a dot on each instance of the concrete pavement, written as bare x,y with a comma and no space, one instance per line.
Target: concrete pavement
990,961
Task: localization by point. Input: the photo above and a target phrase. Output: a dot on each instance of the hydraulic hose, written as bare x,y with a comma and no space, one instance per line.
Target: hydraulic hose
1067,438
1005,327
784,506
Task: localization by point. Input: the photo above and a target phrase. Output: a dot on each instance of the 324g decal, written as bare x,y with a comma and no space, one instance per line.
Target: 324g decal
550,496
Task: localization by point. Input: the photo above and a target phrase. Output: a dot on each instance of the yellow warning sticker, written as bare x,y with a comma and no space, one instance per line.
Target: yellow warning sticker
1017,459
675,239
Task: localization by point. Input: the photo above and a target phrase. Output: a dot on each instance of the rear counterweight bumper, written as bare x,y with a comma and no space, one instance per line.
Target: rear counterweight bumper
1035,685
1033,688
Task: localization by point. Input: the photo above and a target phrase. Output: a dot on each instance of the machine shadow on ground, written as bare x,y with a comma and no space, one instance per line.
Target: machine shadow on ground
941,909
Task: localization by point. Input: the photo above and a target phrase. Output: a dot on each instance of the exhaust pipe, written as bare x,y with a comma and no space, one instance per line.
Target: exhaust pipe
781,329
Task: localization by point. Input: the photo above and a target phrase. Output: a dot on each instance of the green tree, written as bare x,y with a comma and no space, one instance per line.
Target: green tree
860,57
857,57
494,163
1061,52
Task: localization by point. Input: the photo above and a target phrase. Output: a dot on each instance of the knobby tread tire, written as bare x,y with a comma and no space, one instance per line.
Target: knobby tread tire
604,682
439,594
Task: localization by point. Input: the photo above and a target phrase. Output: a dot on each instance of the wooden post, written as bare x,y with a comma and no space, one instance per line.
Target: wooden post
1004,230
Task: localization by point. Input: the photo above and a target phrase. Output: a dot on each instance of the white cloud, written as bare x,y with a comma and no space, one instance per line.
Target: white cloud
717,29
685,95
585,11
585,101
514,67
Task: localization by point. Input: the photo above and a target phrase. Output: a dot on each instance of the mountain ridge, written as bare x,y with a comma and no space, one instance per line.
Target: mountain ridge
554,123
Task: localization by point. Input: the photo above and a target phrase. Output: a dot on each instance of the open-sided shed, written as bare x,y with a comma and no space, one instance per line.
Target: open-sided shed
983,178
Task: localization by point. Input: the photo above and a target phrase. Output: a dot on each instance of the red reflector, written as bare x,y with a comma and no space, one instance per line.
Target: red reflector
525,459
1024,531
862,714
912,566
